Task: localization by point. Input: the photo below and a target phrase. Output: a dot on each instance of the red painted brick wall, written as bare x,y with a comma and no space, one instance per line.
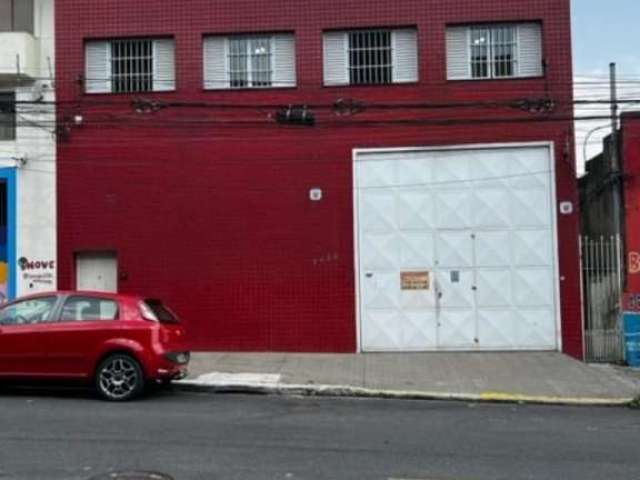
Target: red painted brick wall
216,218
631,155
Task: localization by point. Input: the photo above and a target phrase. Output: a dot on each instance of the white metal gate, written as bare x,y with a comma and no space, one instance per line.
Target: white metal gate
603,287
456,249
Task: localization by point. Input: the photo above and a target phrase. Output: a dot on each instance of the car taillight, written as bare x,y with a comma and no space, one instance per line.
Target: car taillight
147,313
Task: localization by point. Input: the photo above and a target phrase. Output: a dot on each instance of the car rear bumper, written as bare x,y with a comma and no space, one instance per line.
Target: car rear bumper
172,374
170,366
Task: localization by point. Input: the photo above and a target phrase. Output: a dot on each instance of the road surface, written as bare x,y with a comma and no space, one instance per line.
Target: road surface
70,436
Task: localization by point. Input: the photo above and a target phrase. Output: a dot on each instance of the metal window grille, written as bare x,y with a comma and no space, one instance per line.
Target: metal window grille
250,62
494,52
602,278
131,66
7,116
370,57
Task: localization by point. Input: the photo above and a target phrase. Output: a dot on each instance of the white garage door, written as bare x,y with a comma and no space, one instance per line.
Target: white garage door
456,249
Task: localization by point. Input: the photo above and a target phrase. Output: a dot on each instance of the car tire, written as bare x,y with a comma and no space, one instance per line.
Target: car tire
119,378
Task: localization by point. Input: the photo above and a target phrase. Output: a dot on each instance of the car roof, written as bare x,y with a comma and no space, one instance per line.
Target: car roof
113,296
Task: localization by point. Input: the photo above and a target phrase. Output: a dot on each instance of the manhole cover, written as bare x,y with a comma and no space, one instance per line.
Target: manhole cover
132,476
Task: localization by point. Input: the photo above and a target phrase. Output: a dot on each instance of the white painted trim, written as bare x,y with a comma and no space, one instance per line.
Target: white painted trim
347,58
356,252
357,152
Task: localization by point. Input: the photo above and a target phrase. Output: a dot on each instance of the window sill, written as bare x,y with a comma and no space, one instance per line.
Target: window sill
502,79
374,85
123,94
250,89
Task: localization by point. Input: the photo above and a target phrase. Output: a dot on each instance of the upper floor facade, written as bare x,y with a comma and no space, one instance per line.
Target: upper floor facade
432,50
26,41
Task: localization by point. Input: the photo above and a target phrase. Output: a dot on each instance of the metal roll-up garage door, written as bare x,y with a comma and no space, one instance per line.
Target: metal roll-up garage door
456,249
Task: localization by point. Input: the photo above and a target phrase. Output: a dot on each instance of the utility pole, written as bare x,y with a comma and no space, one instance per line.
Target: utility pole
614,154
617,175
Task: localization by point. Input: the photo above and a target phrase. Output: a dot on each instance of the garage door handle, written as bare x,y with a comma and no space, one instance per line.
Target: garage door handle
368,275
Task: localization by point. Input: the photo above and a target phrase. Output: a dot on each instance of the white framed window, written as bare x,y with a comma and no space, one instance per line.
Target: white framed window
370,57
494,51
250,61
130,65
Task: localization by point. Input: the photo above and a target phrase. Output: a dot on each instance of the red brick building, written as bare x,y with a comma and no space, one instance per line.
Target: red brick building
630,138
419,210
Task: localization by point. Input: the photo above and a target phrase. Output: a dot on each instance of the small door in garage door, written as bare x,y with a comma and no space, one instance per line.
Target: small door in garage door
97,272
456,249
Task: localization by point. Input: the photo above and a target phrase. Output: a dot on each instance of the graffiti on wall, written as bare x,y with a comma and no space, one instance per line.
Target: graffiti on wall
634,263
38,272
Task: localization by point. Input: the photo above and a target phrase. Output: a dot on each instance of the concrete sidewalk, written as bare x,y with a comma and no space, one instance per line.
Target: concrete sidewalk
539,377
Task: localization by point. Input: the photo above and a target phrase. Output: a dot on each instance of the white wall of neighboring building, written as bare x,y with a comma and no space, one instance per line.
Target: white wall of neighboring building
33,154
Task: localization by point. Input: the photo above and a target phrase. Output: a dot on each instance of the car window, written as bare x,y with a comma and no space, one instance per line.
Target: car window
88,309
160,311
28,312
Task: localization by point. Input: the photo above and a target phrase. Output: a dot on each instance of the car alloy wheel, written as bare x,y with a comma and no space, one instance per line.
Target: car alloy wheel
119,378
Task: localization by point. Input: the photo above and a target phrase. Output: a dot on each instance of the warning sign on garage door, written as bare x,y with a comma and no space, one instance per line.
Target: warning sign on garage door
415,280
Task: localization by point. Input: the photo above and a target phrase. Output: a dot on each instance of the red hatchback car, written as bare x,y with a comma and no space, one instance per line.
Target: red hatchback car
118,342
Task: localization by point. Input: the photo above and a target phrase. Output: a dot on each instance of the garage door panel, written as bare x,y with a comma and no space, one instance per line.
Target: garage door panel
535,161
532,247
494,288
378,251
451,167
539,181
454,249
493,248
530,208
417,299
375,173
536,328
497,328
456,328
490,208
415,171
381,291
453,208
488,166
382,330
416,251
455,288
415,209
419,330
378,211
481,223
532,287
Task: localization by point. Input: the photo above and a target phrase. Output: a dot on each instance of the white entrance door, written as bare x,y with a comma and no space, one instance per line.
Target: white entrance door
97,272
456,249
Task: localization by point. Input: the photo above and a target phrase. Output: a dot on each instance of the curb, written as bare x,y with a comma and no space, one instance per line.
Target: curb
361,392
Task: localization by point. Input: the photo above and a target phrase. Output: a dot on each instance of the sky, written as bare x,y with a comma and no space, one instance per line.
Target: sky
604,31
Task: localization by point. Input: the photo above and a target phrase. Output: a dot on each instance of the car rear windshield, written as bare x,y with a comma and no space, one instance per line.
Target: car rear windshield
162,313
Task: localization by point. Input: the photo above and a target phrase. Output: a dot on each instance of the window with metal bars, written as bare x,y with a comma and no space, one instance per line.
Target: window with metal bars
250,62
370,57
7,116
132,66
494,51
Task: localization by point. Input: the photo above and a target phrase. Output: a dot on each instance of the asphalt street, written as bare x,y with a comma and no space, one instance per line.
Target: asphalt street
201,436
